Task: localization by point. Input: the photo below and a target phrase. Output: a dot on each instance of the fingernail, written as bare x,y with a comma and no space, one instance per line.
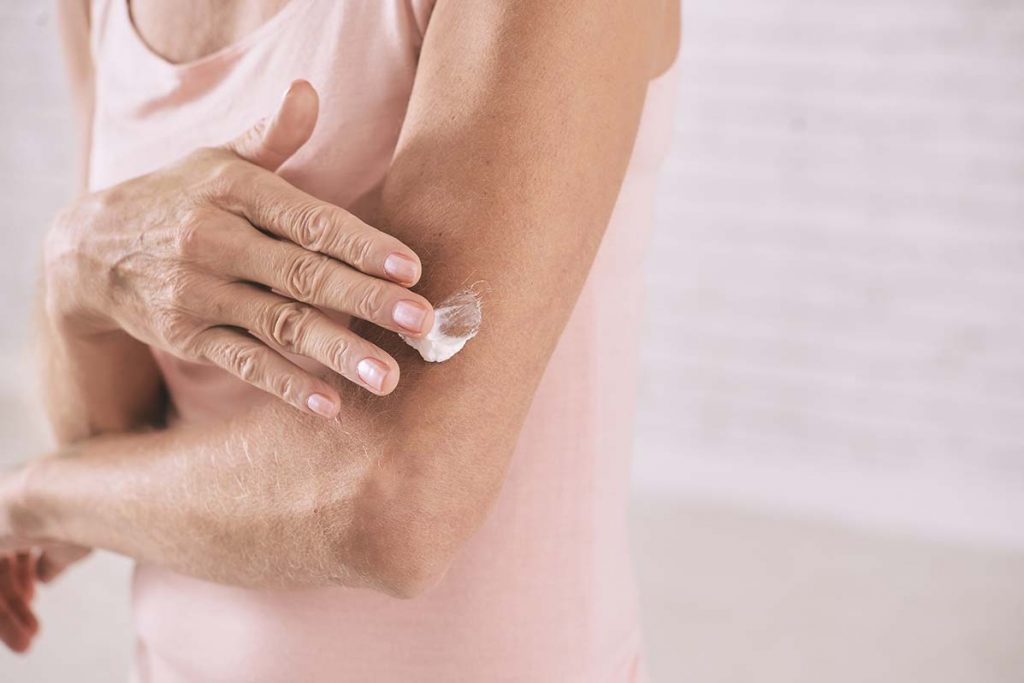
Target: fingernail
321,405
410,315
402,268
372,372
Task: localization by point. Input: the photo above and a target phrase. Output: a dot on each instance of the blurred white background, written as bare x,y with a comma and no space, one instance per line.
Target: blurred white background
829,481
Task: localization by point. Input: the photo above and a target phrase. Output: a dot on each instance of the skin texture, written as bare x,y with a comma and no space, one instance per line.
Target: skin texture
181,259
525,175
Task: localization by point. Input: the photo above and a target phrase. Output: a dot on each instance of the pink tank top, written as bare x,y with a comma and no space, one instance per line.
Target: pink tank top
544,591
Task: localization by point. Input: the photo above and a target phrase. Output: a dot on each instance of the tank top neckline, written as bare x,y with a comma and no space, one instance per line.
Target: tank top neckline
226,53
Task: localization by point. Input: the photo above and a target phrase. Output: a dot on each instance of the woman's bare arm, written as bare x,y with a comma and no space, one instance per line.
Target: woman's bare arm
109,384
510,184
79,395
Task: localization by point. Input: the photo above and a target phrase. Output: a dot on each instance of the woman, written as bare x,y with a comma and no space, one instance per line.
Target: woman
507,149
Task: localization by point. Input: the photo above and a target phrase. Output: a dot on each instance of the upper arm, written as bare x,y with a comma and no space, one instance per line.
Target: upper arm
94,385
519,131
73,25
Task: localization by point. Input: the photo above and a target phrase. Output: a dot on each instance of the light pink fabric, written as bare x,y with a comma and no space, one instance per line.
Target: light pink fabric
544,592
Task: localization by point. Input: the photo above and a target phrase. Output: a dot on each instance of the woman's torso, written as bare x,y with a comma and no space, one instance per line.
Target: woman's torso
544,591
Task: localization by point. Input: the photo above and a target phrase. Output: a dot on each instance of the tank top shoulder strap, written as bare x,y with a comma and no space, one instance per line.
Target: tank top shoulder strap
107,22
100,12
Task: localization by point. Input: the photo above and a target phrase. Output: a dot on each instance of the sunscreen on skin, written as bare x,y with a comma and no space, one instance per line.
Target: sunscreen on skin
456,321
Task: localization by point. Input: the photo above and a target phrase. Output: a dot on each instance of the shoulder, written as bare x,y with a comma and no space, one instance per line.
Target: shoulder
668,32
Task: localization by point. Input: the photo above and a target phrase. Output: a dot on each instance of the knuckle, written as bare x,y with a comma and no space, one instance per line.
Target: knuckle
227,176
340,351
370,301
191,236
178,287
312,227
356,247
177,328
288,323
192,348
196,226
209,348
304,276
363,250
244,361
286,387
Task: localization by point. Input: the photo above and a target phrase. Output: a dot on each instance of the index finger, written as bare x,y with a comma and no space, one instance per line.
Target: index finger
273,204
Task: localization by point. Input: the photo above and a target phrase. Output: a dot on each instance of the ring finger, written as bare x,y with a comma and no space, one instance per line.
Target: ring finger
306,331
318,280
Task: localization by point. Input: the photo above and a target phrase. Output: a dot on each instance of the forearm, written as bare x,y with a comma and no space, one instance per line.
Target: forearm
263,500
95,385
99,384
278,498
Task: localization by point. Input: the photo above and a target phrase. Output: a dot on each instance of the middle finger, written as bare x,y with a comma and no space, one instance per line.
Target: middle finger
307,331
321,281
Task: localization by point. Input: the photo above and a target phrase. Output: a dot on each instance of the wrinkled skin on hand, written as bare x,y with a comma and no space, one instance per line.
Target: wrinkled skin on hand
217,259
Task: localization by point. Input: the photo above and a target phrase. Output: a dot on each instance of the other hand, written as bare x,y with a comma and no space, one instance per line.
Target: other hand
218,259
24,561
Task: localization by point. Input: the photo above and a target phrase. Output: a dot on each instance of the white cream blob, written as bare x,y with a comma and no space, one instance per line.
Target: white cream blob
456,321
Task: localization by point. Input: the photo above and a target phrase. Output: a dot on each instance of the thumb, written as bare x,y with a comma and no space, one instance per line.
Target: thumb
273,140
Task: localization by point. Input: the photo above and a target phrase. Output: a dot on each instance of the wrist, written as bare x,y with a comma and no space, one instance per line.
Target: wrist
25,517
68,307
68,314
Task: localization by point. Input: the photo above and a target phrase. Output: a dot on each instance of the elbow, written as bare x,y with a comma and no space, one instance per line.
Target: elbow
396,549
409,534
409,568
405,558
